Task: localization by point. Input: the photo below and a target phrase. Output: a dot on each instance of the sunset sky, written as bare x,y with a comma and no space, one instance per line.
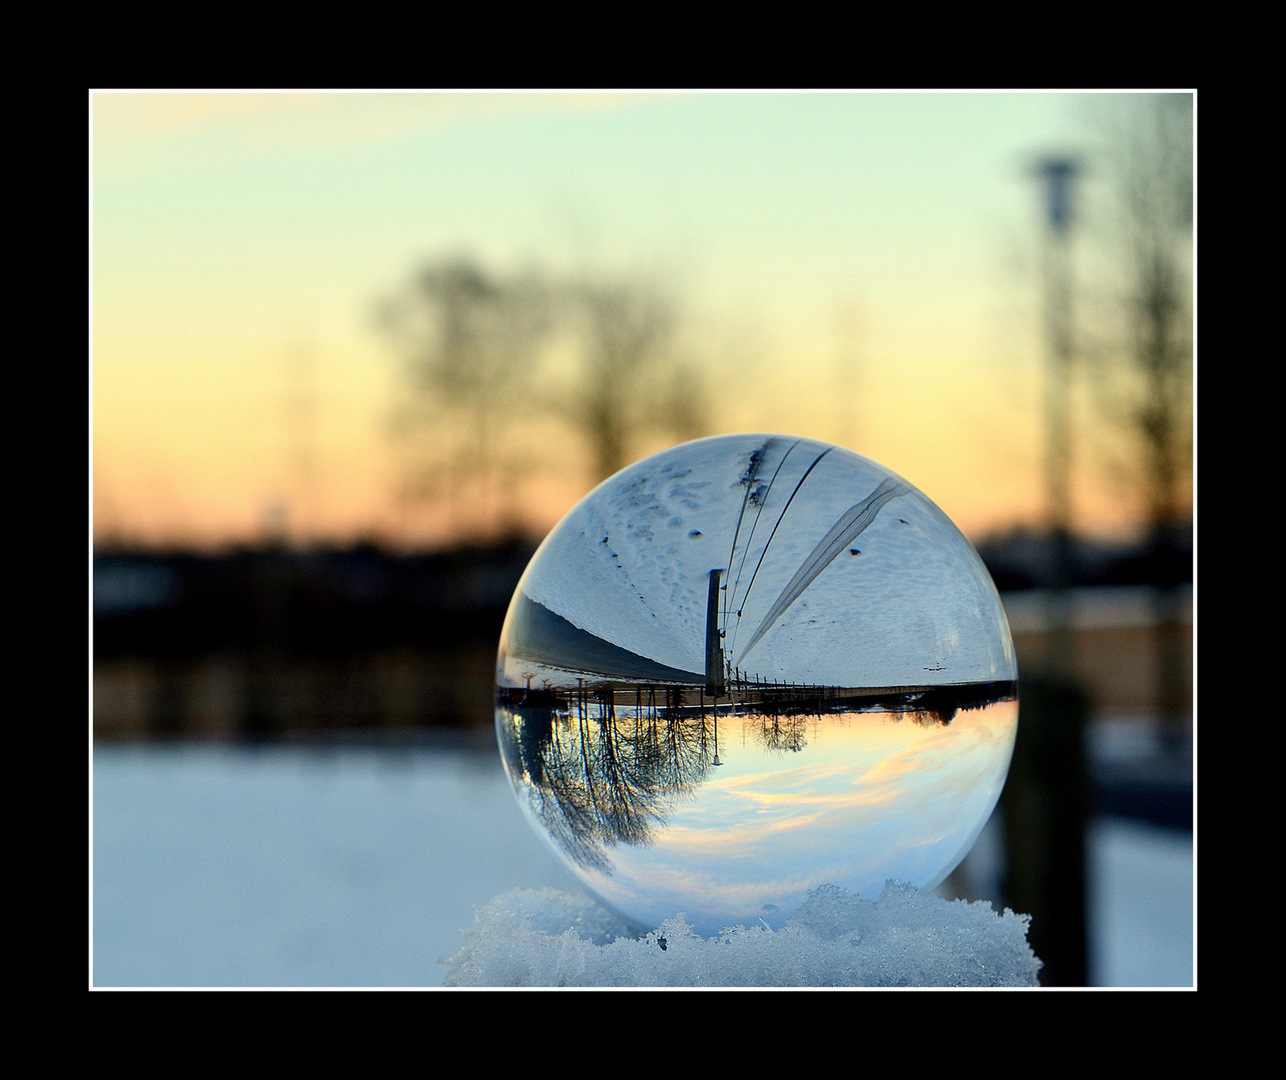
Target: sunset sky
856,267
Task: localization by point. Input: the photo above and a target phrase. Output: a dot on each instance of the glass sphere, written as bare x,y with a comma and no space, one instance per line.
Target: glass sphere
749,666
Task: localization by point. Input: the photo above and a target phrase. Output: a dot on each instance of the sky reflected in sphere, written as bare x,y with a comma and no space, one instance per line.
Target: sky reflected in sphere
749,666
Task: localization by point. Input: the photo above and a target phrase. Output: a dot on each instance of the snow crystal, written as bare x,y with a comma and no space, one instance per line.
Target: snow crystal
905,938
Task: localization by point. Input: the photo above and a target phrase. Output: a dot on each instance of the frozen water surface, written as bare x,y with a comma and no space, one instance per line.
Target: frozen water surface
290,866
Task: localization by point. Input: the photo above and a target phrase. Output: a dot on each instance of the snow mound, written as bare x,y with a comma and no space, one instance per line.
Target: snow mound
905,938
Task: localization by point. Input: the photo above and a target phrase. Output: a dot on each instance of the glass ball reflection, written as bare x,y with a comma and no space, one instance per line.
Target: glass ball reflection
749,666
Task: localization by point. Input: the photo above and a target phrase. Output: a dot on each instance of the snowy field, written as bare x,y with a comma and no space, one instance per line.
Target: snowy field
287,866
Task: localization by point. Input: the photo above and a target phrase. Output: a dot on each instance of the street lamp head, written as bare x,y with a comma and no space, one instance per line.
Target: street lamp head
1058,174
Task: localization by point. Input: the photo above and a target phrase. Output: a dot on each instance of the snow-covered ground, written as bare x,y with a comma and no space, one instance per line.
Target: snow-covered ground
315,866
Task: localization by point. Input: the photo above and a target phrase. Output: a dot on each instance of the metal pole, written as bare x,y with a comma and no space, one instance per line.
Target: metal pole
1045,799
1058,175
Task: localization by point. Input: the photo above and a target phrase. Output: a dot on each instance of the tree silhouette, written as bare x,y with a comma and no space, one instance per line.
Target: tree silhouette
631,379
470,342
473,344
1142,360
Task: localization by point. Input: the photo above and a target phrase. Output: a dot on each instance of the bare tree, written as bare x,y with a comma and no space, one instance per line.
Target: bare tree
470,342
1142,360
478,391
631,381
1145,369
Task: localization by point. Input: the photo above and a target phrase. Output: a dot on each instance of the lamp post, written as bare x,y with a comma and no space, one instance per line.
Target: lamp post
1058,176
1045,798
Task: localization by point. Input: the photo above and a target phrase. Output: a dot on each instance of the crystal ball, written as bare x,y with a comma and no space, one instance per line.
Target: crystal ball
749,666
